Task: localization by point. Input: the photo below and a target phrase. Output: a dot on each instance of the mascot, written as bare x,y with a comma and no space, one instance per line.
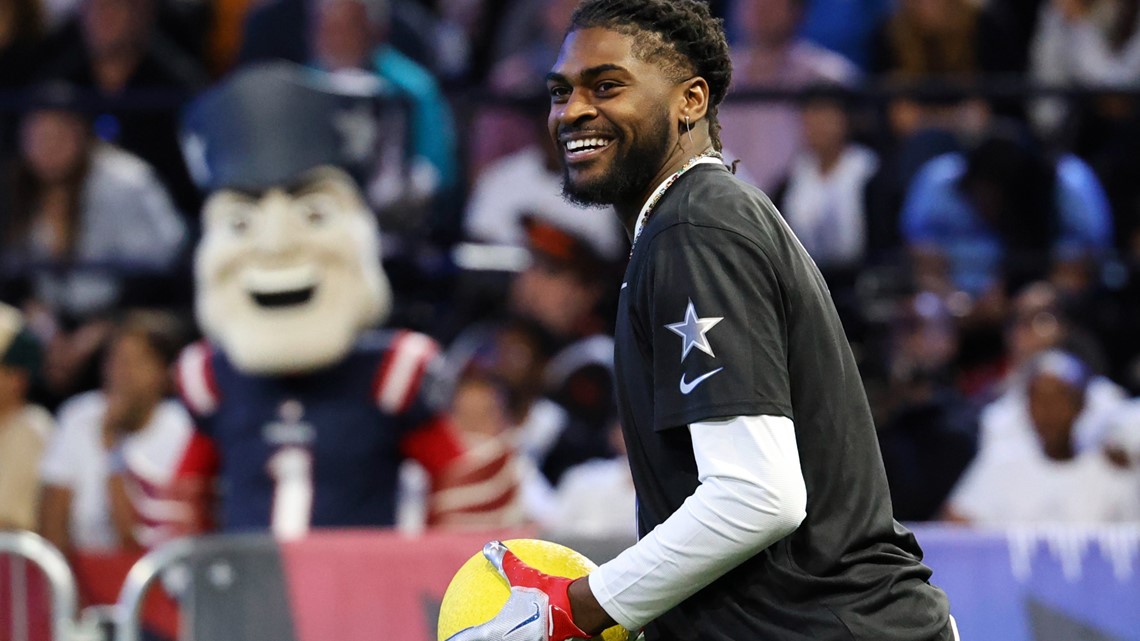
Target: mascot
304,411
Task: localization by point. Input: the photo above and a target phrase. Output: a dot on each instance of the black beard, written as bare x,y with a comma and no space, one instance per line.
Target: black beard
630,172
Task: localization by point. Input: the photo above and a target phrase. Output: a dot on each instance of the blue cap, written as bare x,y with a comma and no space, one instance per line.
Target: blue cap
268,124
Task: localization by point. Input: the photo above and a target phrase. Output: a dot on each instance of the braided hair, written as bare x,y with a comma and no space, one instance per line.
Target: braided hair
680,35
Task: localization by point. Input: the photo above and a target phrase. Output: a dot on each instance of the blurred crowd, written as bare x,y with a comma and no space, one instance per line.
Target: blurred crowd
963,172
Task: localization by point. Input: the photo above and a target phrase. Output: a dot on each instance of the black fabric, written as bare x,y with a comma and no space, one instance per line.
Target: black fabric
849,571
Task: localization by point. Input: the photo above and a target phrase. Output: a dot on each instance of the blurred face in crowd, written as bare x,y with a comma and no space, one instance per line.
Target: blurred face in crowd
344,36
768,23
931,15
610,118
479,408
134,379
926,335
286,279
1033,326
54,143
116,26
825,127
554,295
1054,405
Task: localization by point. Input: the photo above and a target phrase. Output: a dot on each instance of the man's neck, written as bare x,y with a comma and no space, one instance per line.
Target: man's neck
681,154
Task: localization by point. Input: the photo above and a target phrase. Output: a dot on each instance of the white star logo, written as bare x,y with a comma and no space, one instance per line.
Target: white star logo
692,331
359,132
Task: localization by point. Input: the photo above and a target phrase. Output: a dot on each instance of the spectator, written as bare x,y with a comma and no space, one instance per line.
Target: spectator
824,196
928,431
528,183
769,55
479,412
24,427
552,350
596,498
1050,478
353,35
1039,327
116,447
120,54
1083,43
501,129
80,215
948,39
1002,214
845,27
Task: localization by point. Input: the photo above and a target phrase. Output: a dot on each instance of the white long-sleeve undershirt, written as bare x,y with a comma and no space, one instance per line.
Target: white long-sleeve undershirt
751,494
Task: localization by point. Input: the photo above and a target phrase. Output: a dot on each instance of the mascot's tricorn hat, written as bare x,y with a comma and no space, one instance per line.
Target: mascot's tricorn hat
267,124
288,270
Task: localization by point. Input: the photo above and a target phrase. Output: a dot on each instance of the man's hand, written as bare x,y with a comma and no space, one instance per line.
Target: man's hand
537,610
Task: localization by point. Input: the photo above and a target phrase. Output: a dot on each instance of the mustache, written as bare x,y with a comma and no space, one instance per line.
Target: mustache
570,131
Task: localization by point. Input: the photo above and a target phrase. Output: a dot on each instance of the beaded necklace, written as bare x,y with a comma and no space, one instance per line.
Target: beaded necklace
709,156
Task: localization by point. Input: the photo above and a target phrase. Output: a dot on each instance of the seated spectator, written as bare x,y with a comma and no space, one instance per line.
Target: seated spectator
928,431
479,413
552,350
824,195
499,130
765,136
1003,423
845,27
121,52
24,427
354,35
950,39
80,216
1040,320
1093,43
596,498
526,184
1003,214
1050,478
944,45
117,446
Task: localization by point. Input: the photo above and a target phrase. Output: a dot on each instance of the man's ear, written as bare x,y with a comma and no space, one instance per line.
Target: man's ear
694,99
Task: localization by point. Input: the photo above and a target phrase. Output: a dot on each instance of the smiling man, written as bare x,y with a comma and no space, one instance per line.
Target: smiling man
304,408
763,507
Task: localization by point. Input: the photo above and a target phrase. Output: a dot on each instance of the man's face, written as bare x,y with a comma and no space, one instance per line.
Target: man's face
343,37
611,117
1054,406
287,279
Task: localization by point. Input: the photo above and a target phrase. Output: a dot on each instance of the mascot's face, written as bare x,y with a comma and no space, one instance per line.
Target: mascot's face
287,279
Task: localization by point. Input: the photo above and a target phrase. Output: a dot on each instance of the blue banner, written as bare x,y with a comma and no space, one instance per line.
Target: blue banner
1048,583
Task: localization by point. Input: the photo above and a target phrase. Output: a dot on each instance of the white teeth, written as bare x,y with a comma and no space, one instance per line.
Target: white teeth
586,144
272,281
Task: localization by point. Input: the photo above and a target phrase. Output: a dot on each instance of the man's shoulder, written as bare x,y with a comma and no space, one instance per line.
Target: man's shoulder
715,201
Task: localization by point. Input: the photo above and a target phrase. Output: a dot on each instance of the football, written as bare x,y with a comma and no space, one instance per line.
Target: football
477,592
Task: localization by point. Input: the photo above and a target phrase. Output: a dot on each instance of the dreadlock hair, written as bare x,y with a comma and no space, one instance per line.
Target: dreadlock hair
681,35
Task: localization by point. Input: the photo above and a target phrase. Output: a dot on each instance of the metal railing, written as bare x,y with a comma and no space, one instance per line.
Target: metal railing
33,548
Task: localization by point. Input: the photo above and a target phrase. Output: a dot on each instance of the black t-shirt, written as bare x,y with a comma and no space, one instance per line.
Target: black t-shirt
722,313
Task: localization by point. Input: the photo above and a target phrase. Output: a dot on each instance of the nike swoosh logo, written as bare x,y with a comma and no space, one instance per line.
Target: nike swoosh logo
532,619
689,386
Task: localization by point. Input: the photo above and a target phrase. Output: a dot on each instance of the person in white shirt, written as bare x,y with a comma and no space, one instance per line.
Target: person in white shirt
1054,479
116,449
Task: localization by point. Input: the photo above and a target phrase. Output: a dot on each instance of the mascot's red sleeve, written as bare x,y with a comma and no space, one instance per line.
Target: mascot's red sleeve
469,484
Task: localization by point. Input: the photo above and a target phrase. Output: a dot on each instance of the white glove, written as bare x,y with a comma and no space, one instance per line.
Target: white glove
537,610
